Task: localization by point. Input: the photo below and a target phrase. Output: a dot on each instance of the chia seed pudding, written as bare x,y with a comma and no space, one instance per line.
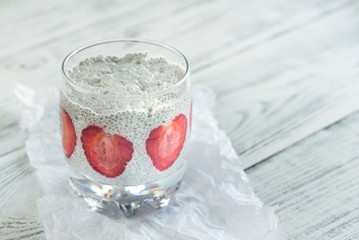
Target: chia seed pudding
135,106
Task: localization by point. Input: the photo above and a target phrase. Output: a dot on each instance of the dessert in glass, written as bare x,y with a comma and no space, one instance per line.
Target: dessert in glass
126,110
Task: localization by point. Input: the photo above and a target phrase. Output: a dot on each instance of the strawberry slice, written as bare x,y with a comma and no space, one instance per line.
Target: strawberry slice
190,118
68,133
165,143
106,153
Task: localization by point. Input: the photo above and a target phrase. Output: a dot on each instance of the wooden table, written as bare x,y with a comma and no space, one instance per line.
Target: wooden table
286,74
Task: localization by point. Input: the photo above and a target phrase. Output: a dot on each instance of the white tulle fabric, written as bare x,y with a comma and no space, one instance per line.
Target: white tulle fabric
215,200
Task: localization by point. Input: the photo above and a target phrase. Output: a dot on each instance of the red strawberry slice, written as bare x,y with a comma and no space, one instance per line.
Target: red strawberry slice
165,143
190,118
68,133
106,153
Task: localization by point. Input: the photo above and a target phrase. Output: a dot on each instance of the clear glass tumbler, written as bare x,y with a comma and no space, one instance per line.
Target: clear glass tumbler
125,149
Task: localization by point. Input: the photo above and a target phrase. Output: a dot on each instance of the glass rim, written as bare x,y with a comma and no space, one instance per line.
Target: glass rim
124,40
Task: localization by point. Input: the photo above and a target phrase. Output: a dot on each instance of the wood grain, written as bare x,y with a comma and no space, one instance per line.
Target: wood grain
288,88
206,31
12,136
314,184
14,228
19,190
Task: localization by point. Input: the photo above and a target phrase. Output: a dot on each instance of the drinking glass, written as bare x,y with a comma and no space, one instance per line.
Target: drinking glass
125,149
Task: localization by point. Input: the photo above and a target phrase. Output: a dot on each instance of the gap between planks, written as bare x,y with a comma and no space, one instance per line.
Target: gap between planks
290,103
258,164
314,183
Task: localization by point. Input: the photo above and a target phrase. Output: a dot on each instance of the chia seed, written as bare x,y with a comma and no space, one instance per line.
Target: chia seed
123,101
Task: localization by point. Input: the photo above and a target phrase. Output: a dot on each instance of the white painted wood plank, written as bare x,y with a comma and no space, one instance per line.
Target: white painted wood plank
288,88
15,228
12,137
19,190
205,31
315,184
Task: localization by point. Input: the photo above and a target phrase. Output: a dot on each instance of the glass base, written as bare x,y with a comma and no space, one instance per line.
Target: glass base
101,197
